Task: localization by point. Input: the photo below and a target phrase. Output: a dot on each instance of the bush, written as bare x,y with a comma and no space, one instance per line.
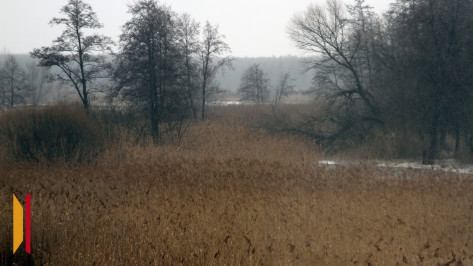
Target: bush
47,134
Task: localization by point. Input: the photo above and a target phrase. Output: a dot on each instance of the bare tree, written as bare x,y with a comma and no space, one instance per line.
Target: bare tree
284,87
13,89
213,57
148,71
330,32
431,50
3,88
254,85
36,80
79,56
189,33
341,44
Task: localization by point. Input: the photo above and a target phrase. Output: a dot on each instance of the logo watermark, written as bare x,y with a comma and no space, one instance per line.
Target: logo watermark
18,223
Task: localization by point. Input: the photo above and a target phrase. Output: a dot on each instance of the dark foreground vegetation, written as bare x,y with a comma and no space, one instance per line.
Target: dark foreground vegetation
48,134
229,193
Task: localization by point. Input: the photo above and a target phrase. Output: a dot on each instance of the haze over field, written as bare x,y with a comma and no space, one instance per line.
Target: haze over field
230,78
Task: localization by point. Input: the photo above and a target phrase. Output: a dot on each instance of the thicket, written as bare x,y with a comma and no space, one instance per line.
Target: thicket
47,134
407,71
74,134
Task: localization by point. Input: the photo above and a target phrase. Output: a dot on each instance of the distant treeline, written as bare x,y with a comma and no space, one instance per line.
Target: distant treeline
230,79
274,67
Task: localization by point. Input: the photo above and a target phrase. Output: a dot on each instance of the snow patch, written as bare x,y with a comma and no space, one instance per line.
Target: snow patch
408,165
328,162
435,167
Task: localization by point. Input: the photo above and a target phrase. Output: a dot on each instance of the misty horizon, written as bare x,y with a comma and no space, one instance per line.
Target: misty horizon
252,28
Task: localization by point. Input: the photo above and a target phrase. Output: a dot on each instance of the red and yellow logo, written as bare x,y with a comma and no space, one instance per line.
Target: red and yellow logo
18,223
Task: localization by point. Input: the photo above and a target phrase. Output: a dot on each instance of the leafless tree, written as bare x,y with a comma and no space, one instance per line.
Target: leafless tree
411,70
329,32
3,88
431,52
78,56
189,34
213,57
284,87
340,44
149,70
37,78
14,88
254,85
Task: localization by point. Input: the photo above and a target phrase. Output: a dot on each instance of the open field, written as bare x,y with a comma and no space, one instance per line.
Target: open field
232,194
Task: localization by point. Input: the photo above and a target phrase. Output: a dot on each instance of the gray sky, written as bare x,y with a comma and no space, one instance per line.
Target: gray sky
252,27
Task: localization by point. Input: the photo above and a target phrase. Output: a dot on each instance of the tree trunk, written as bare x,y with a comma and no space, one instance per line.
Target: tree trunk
154,125
433,147
203,102
443,139
192,105
85,101
11,96
204,85
457,137
205,76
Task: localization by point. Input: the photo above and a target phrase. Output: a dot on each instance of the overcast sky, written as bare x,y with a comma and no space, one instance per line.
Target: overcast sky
252,27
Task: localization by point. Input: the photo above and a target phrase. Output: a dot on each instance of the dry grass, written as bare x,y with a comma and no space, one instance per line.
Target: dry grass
231,195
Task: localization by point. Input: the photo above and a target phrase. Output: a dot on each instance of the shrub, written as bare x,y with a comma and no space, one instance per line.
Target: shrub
47,134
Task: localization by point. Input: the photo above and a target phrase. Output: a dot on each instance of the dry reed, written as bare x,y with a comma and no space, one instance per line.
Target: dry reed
230,195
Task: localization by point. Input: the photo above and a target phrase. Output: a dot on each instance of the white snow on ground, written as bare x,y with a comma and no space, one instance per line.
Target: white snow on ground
436,167
448,167
328,162
225,103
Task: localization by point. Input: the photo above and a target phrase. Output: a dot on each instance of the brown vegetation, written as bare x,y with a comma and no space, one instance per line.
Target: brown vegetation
232,194
48,134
